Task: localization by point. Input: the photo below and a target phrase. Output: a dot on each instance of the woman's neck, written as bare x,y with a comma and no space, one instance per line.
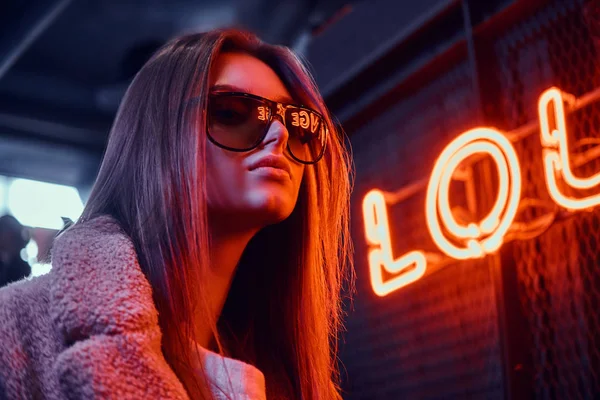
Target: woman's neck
225,252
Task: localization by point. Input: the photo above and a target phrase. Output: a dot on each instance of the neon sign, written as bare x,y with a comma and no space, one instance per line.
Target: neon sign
478,140
556,153
470,241
407,268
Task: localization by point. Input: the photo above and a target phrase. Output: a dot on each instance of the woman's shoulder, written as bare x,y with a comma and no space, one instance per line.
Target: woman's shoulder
98,238
96,271
90,319
95,275
100,235
96,247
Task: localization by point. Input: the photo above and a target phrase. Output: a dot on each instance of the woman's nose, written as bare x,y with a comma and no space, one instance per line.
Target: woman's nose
277,132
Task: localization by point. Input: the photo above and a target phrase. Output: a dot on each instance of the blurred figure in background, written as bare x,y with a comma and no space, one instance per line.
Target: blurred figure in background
13,239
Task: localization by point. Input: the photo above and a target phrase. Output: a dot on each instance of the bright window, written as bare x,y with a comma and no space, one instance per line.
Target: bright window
41,205
3,194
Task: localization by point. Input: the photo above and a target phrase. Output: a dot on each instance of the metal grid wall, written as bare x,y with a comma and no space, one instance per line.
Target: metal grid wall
440,337
558,271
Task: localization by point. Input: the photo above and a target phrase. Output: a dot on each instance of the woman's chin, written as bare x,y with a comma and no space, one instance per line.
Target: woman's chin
271,209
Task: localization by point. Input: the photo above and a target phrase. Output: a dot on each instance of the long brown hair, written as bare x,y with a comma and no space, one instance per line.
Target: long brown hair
283,311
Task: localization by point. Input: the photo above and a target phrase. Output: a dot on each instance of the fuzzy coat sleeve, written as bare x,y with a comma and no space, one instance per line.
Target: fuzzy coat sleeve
89,330
102,306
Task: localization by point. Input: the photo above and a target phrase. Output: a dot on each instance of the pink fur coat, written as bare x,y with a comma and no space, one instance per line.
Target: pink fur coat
89,329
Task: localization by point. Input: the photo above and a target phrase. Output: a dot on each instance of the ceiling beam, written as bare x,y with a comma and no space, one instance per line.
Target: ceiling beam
25,31
52,132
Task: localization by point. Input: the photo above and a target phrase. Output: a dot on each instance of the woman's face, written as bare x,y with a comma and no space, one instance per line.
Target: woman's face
237,192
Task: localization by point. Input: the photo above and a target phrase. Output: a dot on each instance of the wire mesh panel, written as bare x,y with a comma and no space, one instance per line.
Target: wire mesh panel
441,337
438,337
558,270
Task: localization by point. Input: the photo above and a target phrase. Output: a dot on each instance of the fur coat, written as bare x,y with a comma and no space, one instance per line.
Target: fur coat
89,329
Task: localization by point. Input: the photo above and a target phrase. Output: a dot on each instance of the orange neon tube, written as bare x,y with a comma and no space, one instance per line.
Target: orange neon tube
557,138
406,269
492,220
437,207
552,166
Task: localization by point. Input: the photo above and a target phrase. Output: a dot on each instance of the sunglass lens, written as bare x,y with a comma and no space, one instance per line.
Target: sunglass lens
307,133
236,122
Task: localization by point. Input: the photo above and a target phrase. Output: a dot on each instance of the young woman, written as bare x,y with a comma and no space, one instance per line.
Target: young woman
209,258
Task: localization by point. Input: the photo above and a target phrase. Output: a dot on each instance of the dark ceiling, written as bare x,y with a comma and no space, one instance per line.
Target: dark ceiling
64,66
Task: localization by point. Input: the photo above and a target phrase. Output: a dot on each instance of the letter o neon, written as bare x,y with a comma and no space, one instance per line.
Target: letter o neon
496,145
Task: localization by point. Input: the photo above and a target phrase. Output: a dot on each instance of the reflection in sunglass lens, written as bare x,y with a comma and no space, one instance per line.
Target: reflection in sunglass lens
307,133
235,121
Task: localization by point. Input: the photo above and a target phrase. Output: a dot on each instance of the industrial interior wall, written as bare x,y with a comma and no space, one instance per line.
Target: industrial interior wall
449,334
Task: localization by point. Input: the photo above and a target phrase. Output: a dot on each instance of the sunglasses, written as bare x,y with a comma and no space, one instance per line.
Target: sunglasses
240,121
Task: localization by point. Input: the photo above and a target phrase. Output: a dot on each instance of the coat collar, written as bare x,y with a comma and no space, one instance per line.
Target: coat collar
97,288
97,285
